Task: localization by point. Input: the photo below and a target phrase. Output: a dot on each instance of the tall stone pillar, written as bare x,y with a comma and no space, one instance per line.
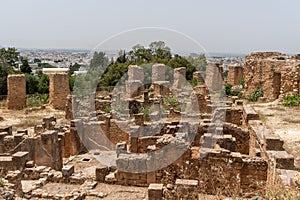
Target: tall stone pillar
59,90
179,78
16,85
214,77
135,82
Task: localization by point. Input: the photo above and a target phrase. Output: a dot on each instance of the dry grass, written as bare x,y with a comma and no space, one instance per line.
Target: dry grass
280,192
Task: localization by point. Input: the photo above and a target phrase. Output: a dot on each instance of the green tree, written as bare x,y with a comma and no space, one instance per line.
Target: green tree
178,61
43,84
25,67
9,57
31,84
199,62
74,68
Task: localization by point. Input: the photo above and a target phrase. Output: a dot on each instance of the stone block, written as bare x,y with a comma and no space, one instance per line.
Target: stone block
155,192
101,173
158,72
67,170
19,159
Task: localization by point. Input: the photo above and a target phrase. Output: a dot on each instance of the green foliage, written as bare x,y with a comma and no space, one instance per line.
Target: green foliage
228,89
241,82
291,101
31,83
9,57
178,61
37,100
255,95
74,68
199,62
146,112
43,85
194,82
72,82
157,52
25,68
46,65
171,102
107,109
150,90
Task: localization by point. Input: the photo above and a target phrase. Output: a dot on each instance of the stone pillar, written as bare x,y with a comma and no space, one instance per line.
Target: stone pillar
179,78
16,84
158,73
214,77
49,151
135,82
59,90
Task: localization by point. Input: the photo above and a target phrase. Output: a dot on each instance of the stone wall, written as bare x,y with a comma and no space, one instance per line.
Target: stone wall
235,74
59,90
16,91
276,74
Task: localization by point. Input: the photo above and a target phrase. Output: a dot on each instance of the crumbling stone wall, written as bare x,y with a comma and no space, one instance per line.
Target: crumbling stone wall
276,74
59,90
235,74
16,84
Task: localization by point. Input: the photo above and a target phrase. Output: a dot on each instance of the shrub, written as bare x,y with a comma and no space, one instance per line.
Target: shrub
291,101
241,82
194,82
232,91
37,100
255,95
228,89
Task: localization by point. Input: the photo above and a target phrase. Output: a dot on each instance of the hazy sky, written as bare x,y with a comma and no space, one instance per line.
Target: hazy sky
235,26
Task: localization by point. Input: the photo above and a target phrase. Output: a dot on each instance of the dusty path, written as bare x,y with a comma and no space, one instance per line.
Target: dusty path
284,122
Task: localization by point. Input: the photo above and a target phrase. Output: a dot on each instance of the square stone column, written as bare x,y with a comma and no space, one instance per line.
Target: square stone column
59,90
16,85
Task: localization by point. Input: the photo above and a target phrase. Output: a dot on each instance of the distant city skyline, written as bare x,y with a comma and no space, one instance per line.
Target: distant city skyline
232,26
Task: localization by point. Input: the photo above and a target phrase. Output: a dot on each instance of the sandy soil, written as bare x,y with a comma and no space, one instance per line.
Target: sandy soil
28,118
285,122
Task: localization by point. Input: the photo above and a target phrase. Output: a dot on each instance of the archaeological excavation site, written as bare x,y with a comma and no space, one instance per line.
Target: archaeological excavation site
156,136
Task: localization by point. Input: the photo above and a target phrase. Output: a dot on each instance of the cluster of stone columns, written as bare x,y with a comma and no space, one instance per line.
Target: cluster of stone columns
161,86
59,89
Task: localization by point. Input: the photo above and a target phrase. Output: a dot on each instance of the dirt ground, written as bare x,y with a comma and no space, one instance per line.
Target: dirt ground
285,122
28,118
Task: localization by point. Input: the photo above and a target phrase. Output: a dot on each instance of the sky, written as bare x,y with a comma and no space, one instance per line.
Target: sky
231,26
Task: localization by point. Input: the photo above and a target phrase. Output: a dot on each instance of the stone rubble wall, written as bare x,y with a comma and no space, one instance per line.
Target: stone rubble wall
276,74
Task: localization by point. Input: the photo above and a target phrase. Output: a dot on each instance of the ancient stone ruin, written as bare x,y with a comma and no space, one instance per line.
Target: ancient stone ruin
16,91
235,74
275,73
173,140
58,87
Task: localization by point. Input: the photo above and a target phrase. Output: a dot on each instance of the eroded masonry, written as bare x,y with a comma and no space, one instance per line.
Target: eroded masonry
175,139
